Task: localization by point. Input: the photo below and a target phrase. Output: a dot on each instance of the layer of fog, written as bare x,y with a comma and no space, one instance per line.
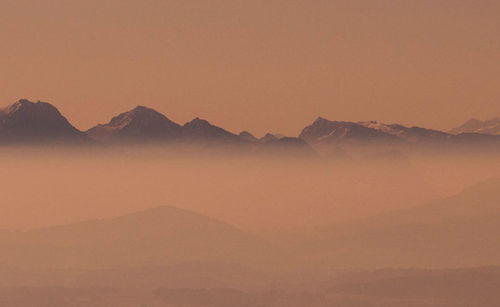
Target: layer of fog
43,187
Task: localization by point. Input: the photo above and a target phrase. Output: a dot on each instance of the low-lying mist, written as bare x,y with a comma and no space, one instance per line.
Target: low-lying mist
44,187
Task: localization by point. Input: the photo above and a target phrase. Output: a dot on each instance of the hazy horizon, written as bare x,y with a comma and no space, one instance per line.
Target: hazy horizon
362,181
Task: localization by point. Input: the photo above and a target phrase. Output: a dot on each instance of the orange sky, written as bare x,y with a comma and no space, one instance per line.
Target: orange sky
256,65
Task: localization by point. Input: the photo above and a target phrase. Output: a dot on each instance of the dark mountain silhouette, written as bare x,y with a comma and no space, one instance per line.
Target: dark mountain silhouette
40,122
268,138
141,124
200,130
323,131
247,136
28,122
159,236
144,125
491,126
409,134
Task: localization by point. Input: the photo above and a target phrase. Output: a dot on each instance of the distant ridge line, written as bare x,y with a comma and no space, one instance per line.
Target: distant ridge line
40,122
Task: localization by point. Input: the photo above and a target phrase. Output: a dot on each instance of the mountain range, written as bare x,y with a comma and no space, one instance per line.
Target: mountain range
26,121
323,131
40,122
491,126
139,124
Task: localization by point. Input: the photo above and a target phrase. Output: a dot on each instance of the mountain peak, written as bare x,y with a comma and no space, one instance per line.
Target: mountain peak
200,129
24,110
491,127
140,112
198,123
247,136
143,109
22,102
320,120
27,121
268,138
29,106
141,124
325,131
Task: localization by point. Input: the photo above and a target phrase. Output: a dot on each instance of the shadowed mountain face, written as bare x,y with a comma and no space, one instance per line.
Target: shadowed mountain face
247,136
323,131
145,125
28,122
270,138
491,126
140,124
202,131
159,236
324,135
412,134
40,122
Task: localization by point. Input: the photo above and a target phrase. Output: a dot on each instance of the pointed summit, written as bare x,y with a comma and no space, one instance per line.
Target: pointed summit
198,123
18,105
201,130
25,108
268,138
320,120
26,121
247,136
140,124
